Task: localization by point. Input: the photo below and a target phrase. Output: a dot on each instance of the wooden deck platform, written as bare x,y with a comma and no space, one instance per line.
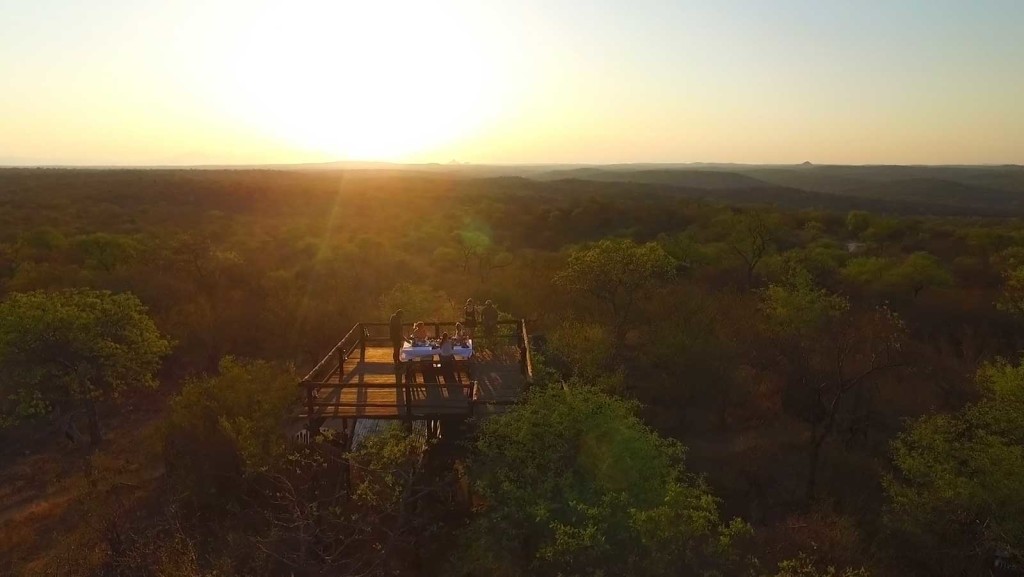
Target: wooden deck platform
370,386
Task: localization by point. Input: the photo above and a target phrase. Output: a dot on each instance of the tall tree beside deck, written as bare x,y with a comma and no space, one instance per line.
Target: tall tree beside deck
826,352
383,517
957,497
222,429
587,350
617,273
573,483
72,350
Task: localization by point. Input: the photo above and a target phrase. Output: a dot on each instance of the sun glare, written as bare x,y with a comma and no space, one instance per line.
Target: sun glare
381,80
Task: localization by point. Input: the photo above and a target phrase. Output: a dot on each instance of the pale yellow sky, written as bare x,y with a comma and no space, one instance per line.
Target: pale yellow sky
227,81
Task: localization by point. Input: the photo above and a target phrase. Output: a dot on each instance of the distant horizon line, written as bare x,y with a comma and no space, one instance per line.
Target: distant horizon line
365,164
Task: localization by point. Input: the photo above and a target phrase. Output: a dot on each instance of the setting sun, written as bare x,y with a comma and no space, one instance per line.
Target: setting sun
239,82
349,80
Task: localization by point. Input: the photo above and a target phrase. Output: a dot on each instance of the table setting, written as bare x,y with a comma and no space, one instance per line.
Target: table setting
429,348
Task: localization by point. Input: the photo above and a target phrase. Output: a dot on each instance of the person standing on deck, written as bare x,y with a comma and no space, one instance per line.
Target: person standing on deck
397,338
469,316
489,316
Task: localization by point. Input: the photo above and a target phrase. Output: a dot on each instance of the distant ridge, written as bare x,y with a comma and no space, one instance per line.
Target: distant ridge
710,179
993,190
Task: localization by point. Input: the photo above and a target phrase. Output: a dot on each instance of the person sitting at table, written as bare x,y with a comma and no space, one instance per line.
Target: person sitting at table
419,332
461,334
447,354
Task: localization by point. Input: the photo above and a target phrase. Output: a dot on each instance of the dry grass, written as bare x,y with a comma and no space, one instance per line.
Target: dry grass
56,499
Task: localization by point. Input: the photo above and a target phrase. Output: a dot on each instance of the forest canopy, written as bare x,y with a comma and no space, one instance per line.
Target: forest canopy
840,370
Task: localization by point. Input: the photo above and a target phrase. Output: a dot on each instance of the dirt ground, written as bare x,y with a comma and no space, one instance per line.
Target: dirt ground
53,493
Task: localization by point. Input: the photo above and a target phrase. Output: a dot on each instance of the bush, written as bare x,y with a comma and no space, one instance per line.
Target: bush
222,429
574,484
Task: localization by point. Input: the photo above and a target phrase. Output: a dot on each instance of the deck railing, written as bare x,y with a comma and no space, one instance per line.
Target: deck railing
341,351
510,332
468,390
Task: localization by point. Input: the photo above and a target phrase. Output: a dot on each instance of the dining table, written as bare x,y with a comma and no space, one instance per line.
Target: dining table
428,350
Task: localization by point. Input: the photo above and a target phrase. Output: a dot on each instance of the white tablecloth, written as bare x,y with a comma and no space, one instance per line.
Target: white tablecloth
410,352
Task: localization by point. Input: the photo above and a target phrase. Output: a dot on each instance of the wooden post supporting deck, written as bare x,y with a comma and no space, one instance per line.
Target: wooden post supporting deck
403,380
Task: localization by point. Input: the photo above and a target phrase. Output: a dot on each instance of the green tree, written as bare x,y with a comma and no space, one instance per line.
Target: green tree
588,349
376,510
617,273
1012,298
419,302
826,353
870,272
106,252
858,221
685,250
884,229
751,238
888,277
1009,259
822,259
227,427
73,350
39,242
956,494
796,307
574,484
476,247
921,270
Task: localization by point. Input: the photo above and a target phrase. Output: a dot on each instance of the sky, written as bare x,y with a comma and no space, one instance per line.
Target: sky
145,82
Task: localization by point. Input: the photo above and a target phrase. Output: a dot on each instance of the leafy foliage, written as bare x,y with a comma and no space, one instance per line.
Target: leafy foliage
73,349
908,277
957,494
1012,298
226,428
385,457
828,353
277,265
572,483
797,307
588,350
420,303
803,566
618,273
